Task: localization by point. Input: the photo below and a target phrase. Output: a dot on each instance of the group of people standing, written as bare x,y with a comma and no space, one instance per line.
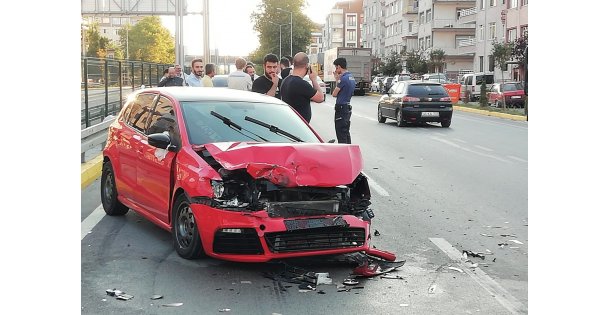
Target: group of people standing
287,84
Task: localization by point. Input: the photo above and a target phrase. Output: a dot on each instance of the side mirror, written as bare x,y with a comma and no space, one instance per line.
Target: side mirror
161,141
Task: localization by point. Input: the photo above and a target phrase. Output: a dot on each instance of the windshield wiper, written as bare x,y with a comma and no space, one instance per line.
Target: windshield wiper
274,129
236,126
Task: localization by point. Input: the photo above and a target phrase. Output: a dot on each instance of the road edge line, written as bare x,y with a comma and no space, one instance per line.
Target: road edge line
91,221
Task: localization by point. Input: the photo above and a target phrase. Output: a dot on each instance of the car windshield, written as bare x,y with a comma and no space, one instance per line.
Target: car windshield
203,127
512,87
426,90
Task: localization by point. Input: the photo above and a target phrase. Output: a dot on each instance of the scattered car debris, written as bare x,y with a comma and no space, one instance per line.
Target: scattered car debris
467,253
494,260
487,235
502,245
156,297
386,276
516,241
245,282
320,292
513,247
306,287
376,233
222,310
118,294
508,235
432,289
457,269
350,281
369,266
173,304
124,297
323,278
404,305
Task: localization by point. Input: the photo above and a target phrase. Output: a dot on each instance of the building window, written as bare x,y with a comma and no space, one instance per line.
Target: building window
351,35
492,31
492,3
481,63
481,33
523,30
421,43
351,20
429,44
428,16
350,45
512,4
421,18
491,64
482,4
410,26
511,34
524,2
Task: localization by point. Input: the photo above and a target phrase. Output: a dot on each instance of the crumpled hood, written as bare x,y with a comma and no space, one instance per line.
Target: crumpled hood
291,165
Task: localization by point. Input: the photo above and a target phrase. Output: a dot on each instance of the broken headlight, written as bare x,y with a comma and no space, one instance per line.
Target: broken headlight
218,188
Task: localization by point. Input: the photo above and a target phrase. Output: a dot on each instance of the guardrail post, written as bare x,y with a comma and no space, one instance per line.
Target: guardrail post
132,75
150,74
142,73
120,84
86,93
105,81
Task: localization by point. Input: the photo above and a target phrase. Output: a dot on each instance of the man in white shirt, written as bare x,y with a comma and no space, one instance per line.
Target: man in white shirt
238,79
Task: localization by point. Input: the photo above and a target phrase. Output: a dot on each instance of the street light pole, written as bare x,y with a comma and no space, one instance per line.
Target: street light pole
280,37
290,30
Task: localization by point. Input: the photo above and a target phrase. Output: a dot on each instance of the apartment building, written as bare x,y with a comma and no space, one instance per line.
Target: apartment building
464,29
316,43
343,25
109,25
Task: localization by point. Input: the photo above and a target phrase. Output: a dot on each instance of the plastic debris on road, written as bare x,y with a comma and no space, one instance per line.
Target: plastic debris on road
457,269
432,289
118,294
376,233
516,241
173,304
156,297
323,278
222,310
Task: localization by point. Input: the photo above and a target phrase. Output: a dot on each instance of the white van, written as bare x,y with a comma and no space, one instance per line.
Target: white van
472,83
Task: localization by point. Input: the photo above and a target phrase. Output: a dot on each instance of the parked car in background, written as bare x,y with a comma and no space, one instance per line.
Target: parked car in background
220,80
435,77
235,175
416,102
401,77
322,84
386,84
508,94
471,84
376,82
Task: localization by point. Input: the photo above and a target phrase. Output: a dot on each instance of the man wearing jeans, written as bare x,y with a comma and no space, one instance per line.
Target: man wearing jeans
343,92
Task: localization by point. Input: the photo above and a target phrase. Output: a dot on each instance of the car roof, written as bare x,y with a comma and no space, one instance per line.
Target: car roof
213,94
418,82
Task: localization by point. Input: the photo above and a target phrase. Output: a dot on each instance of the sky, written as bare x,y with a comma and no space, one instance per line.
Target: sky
230,25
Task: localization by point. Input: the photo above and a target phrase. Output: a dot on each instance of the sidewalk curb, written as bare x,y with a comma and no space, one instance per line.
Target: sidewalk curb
90,171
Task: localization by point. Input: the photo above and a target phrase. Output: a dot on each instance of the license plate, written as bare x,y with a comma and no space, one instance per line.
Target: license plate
429,114
300,224
516,96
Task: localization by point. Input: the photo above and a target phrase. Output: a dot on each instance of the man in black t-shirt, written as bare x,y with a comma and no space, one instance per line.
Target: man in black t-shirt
298,93
268,83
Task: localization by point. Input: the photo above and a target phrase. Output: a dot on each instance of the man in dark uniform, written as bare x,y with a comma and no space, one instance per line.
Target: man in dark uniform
343,92
268,83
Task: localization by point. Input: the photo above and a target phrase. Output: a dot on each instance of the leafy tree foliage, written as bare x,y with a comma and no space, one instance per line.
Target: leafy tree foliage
519,48
502,53
392,65
269,33
415,62
96,43
483,94
149,41
436,60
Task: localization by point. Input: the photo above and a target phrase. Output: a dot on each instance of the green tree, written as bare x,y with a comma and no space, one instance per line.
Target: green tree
483,94
392,65
502,53
96,43
149,41
415,63
436,60
269,33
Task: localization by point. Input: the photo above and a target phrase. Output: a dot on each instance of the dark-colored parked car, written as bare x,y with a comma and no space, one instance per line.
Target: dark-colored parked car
416,102
235,175
510,94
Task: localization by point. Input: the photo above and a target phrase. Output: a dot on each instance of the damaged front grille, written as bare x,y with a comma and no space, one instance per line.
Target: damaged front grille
333,237
237,241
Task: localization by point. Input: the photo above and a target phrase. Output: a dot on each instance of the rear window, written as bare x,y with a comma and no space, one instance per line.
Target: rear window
513,87
426,90
404,77
489,79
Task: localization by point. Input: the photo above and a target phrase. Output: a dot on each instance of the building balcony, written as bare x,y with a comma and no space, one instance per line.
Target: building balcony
449,24
410,9
467,16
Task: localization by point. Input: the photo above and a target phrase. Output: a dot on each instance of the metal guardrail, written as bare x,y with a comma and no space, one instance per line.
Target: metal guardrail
94,136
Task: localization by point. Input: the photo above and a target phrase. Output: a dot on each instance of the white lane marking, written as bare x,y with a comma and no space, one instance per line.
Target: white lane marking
469,150
516,158
375,119
483,148
503,297
375,186
89,222
460,140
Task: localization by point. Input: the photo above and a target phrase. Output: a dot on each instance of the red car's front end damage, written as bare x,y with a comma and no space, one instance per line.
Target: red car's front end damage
283,200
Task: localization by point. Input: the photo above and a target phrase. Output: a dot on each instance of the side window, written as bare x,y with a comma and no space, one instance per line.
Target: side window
469,80
163,119
400,88
138,115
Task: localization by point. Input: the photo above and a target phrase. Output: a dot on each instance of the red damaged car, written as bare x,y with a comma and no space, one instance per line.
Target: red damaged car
235,175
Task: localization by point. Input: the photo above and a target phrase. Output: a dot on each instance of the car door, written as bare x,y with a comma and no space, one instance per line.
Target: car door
394,101
129,142
493,95
155,167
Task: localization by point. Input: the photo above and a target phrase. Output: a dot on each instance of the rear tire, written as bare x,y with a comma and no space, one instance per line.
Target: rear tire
381,119
109,193
186,239
400,121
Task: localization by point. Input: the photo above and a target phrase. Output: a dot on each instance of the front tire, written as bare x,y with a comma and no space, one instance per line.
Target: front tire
381,119
446,124
109,193
186,239
400,121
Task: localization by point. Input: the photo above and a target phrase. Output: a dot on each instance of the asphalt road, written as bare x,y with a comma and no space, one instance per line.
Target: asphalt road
432,188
